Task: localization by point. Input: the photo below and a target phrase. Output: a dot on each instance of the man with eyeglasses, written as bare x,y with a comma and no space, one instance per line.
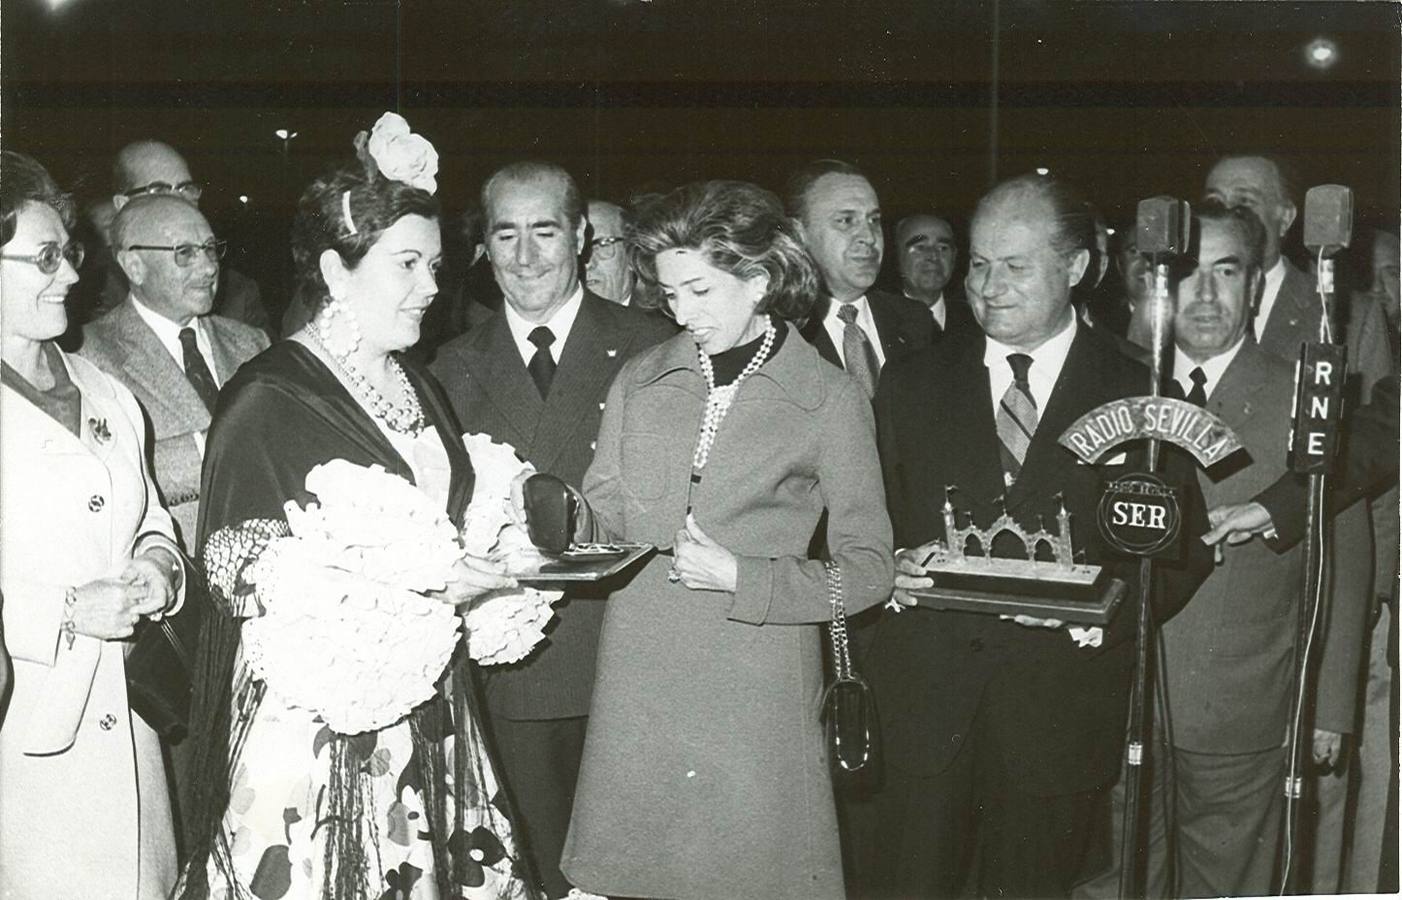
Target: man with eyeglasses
165,343
151,168
606,270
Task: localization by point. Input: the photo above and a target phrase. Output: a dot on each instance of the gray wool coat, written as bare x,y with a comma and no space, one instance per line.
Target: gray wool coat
704,770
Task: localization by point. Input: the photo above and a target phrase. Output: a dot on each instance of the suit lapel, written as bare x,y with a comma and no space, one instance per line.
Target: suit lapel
151,366
888,326
974,455
1292,307
225,361
591,356
814,332
496,363
1232,398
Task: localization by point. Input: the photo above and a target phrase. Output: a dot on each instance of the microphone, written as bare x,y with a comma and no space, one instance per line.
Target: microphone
1328,218
1161,225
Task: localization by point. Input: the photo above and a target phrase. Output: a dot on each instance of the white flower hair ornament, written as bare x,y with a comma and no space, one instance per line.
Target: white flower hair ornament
399,154
395,152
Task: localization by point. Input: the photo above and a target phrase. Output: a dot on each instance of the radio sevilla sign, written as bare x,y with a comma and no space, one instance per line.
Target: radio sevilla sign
1177,421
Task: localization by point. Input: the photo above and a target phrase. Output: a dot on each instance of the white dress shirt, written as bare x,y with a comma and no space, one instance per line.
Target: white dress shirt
168,332
937,309
1047,361
836,326
1275,277
559,325
1213,368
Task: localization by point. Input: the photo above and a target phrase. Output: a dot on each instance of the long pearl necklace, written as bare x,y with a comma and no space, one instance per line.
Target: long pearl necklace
718,399
405,419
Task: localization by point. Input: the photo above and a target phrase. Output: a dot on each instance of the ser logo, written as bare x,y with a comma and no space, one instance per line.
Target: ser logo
1139,515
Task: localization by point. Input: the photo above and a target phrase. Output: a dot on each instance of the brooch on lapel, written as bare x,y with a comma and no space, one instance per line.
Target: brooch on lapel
611,353
99,430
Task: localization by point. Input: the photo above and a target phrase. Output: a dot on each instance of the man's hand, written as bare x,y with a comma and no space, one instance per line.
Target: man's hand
1236,524
910,574
1328,747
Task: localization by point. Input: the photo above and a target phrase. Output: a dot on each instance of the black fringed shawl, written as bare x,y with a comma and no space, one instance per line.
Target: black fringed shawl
282,414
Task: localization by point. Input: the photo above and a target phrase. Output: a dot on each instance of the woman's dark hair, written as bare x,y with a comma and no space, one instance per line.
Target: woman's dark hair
740,228
375,204
23,180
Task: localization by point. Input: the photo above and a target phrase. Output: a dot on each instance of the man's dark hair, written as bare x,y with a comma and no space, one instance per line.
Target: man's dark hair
801,179
1253,233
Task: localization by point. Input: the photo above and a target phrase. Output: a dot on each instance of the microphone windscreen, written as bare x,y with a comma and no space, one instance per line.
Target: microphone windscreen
1328,217
1162,226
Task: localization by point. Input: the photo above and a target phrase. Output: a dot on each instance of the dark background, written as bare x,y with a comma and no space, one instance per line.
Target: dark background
1128,99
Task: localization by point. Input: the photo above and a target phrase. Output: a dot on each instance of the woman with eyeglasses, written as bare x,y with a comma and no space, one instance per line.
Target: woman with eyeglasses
86,550
704,772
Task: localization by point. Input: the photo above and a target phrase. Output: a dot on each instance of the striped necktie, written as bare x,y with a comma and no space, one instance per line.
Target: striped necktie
857,352
1016,419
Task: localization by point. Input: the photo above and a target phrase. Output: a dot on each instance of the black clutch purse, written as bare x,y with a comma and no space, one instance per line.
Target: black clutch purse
851,730
159,666
551,509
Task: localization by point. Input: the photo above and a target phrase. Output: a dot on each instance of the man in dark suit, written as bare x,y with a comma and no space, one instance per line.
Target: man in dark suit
926,257
1287,315
1228,656
852,326
535,375
1003,735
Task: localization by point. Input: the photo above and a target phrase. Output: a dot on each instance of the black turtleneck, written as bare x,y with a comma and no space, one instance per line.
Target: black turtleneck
728,364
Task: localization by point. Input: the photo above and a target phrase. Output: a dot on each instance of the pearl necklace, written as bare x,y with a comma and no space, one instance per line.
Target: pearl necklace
718,399
406,419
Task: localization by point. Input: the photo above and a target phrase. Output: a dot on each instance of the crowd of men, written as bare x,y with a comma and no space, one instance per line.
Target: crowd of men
1002,740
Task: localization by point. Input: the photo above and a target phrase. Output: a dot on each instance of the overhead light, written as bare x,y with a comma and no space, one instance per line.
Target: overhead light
1043,170
284,135
1110,231
1321,53
243,198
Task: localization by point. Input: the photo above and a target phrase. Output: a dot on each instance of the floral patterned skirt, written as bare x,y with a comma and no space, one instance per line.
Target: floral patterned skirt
275,826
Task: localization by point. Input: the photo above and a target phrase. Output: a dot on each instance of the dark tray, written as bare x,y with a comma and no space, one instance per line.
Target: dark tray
571,566
1098,610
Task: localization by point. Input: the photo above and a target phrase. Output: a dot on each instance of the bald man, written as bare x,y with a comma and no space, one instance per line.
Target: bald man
170,259
927,256
151,168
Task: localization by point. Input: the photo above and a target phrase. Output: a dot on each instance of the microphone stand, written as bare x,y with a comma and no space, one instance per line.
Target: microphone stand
1300,740
1159,310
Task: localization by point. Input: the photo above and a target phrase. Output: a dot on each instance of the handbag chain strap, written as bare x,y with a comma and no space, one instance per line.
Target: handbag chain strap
837,629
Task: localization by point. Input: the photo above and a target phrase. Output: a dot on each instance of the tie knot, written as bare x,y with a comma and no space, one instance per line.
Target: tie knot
187,338
1020,363
847,312
541,336
1198,376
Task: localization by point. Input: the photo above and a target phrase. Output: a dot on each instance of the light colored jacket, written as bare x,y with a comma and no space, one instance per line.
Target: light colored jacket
82,791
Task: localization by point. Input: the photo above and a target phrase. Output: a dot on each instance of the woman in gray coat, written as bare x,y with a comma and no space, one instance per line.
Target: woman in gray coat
704,770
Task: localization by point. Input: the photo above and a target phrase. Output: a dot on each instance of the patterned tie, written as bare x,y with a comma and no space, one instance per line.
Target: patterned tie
1198,394
857,350
1017,418
542,364
197,370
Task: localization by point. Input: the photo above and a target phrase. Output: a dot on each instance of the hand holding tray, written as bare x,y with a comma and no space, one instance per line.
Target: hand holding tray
581,562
